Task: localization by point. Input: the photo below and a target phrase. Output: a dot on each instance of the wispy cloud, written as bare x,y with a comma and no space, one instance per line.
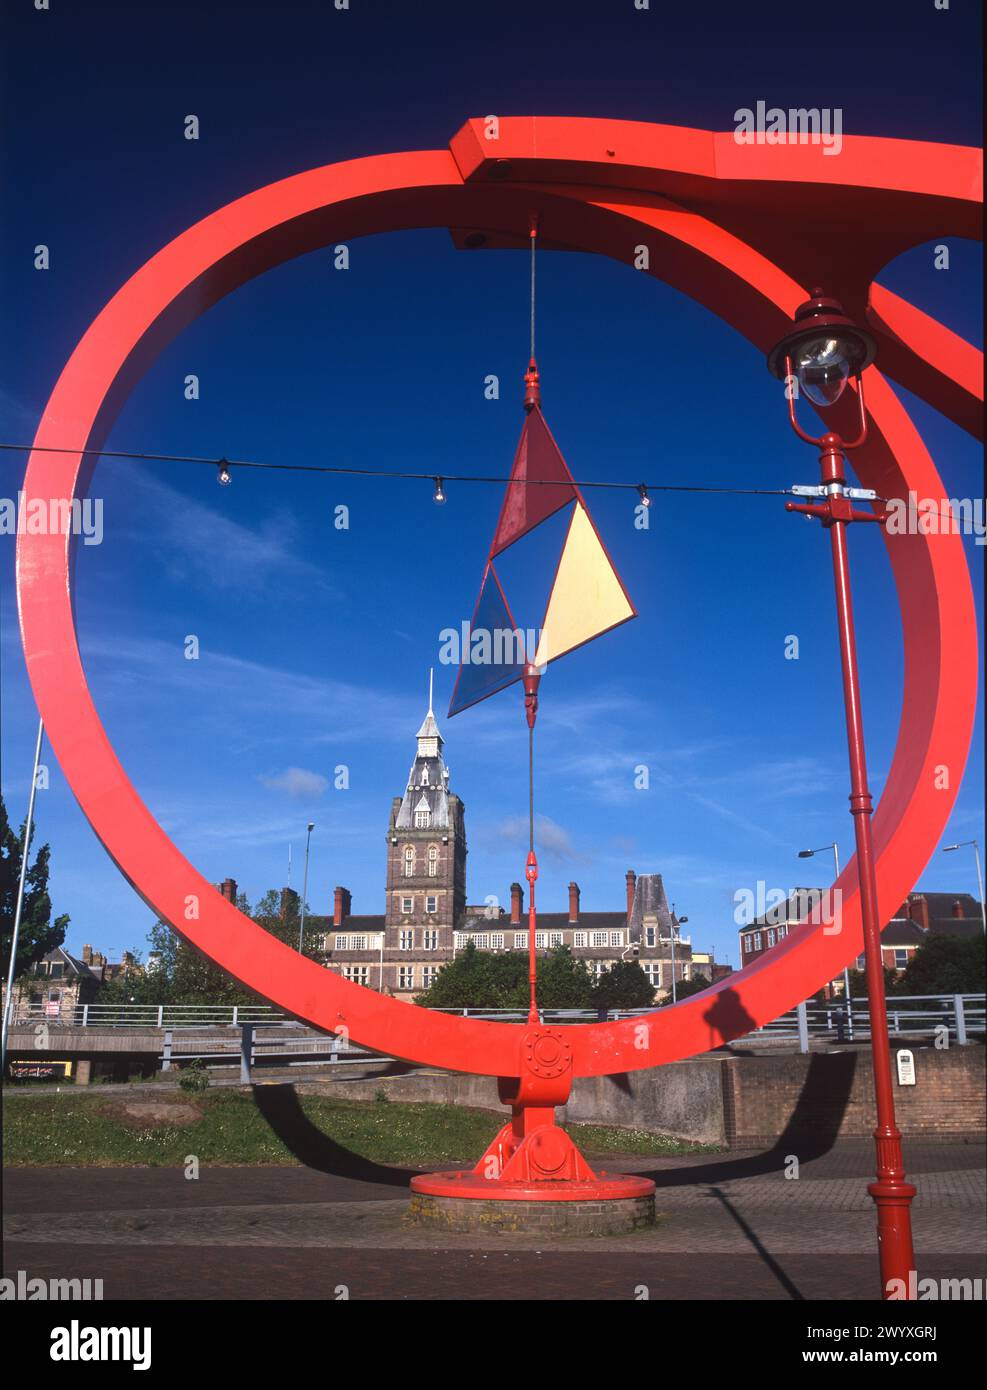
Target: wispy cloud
237,694
297,782
199,544
550,837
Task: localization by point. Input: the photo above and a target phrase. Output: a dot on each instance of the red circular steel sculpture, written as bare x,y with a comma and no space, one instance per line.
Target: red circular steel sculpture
745,231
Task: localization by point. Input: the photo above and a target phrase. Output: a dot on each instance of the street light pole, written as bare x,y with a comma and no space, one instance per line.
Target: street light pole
825,346
980,874
678,922
807,854
8,1003
301,924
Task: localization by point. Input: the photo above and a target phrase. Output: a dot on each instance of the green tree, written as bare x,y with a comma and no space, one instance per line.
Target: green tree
623,986
177,973
947,965
858,984
38,933
499,980
684,989
564,982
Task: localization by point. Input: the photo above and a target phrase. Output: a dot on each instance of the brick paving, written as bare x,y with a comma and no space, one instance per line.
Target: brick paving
729,1226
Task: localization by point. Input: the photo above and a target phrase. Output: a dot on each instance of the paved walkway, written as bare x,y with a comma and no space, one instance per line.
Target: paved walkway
730,1226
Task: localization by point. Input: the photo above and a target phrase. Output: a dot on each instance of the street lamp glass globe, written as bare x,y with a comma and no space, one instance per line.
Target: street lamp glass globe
823,369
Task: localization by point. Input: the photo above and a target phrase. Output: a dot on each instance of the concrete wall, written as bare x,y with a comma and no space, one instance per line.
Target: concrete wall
745,1102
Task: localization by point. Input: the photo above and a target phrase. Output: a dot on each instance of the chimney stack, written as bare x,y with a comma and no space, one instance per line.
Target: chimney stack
87,955
573,902
957,908
517,904
228,889
918,906
631,878
342,902
289,899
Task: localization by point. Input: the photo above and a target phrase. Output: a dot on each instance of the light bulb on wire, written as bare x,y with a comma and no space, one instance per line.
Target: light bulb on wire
224,476
438,496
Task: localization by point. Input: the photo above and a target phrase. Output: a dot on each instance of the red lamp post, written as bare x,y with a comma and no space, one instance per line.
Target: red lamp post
818,357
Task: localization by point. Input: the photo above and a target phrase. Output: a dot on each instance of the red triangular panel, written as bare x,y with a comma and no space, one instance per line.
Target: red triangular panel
528,503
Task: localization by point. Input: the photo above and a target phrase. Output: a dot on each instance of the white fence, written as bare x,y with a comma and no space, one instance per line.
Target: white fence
922,1015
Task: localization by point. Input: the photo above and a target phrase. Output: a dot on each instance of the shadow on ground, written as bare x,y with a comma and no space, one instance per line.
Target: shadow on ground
280,1107
811,1130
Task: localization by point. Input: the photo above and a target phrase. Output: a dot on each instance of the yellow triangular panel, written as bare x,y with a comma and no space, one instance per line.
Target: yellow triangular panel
586,598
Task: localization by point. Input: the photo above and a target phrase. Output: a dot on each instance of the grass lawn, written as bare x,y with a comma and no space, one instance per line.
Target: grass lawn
226,1126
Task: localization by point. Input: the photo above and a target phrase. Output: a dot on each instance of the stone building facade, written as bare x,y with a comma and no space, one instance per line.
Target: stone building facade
427,918
60,983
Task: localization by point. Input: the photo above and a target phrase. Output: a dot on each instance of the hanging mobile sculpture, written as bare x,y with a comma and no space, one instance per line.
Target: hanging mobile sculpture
586,597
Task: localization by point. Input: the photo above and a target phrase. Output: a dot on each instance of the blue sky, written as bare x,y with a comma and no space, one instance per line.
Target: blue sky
315,643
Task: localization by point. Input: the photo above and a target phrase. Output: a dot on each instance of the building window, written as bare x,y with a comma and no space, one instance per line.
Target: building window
597,966
409,861
541,940
423,820
520,940
406,940
616,938
358,943
861,963
342,943
649,936
57,971
757,941
579,938
407,906
900,960
482,940
431,904
433,862
555,938
497,941
358,974
771,936
430,940
406,977
429,973
424,777
599,939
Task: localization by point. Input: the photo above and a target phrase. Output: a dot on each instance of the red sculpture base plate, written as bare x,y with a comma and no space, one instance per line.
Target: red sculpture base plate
604,1187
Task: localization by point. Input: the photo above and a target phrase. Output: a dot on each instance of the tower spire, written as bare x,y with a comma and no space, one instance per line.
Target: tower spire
431,672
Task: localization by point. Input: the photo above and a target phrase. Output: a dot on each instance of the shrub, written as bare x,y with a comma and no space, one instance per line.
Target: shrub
194,1076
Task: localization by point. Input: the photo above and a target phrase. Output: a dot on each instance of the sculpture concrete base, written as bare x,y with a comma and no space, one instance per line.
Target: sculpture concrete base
609,1217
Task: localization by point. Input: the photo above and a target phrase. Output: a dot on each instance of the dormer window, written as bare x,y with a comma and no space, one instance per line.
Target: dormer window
424,776
422,820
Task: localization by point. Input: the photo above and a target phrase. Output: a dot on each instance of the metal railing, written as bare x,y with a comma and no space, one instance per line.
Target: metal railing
914,1015
149,1015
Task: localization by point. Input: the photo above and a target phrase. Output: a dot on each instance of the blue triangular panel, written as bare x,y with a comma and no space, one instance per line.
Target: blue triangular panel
494,655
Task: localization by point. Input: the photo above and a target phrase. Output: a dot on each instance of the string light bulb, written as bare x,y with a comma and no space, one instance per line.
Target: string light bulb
642,492
439,495
224,476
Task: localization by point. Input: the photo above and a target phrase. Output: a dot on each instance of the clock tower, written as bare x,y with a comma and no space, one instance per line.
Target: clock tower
426,856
